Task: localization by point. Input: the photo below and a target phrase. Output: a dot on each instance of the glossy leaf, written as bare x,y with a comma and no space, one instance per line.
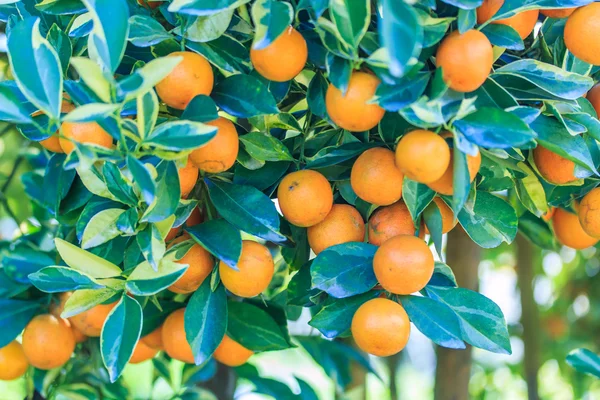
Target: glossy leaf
206,320
220,238
344,270
58,279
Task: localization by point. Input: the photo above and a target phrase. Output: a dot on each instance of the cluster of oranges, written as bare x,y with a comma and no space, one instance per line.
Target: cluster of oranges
466,59
403,263
48,341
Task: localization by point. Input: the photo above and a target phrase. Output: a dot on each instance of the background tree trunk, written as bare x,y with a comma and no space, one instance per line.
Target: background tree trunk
530,319
357,388
454,366
223,383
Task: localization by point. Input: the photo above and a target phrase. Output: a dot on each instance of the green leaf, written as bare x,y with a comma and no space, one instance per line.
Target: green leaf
335,318
344,270
23,260
145,78
120,334
244,96
93,77
495,128
61,7
167,184
271,18
85,299
91,112
556,138
101,228
117,185
530,79
489,221
225,53
416,196
107,41
503,36
11,109
62,45
142,179
84,261
402,35
265,147
36,66
147,281
152,245
481,321
333,155
205,321
57,182
147,112
204,7
351,19
254,328
584,361
14,316
247,209
58,279
206,28
145,31
466,19
315,96
200,109
435,320
180,135
220,238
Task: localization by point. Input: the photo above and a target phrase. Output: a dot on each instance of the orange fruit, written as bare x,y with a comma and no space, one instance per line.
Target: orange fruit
57,309
305,197
13,363
390,221
558,12
220,152
200,266
581,31
569,232
48,341
154,339
83,132
352,110
523,22
553,168
589,213
52,143
90,322
549,214
448,221
256,269
445,185
188,176
381,327
283,59
174,339
191,77
466,60
422,156
593,97
375,177
343,224
142,352
556,327
231,353
403,265
77,334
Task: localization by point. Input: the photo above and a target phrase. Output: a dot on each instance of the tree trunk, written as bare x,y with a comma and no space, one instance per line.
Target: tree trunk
453,369
530,319
223,383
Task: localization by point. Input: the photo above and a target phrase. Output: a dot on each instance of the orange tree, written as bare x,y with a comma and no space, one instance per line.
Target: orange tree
187,156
